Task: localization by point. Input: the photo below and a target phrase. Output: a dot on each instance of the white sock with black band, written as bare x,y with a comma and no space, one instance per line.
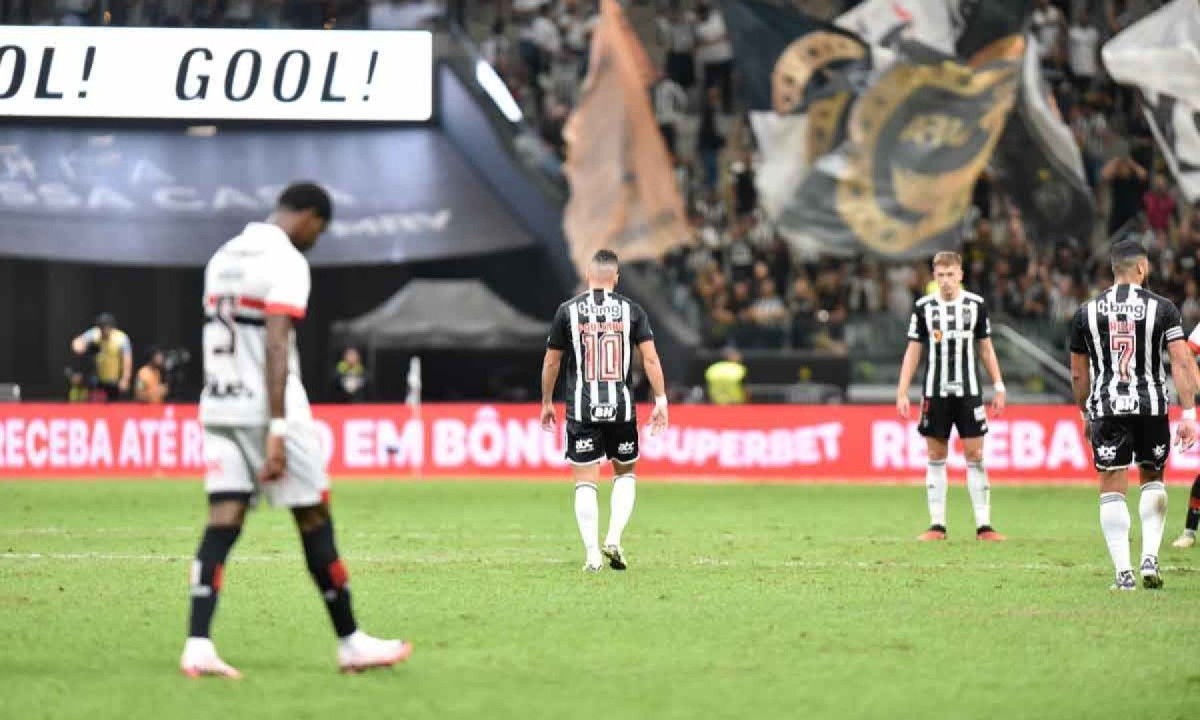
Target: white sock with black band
1152,506
935,491
587,515
623,494
1115,522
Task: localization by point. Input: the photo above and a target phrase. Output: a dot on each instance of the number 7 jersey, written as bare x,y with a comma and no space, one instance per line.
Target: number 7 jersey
257,273
597,332
1125,331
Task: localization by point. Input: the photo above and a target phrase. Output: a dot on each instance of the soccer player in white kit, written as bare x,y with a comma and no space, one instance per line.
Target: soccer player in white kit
259,436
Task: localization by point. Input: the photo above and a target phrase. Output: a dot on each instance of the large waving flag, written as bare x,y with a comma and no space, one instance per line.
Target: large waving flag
1160,55
901,142
1039,163
798,77
623,192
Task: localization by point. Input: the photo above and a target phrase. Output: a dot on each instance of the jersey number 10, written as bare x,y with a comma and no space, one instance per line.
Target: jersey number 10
603,357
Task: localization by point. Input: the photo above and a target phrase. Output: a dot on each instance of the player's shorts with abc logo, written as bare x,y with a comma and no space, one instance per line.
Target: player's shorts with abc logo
590,443
939,416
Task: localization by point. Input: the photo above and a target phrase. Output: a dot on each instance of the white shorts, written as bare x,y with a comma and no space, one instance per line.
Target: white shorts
233,457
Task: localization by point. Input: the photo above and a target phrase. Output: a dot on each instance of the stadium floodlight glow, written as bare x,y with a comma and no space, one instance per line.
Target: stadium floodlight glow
217,74
487,78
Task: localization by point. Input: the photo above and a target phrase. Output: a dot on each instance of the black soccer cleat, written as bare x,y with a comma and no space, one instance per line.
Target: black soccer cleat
616,557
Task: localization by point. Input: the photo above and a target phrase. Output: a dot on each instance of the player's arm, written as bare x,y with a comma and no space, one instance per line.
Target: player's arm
1183,371
550,366
652,366
987,353
286,302
1081,378
643,337
908,368
560,330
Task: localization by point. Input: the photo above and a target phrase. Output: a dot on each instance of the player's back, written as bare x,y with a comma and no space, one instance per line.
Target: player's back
1124,331
257,273
597,330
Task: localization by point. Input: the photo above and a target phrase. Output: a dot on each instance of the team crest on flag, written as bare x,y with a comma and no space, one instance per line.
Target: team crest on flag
918,139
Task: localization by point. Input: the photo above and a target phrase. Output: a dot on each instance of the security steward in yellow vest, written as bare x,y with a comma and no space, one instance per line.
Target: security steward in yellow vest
113,354
725,378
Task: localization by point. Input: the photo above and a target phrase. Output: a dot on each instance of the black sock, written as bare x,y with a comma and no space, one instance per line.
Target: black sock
1193,516
207,572
331,577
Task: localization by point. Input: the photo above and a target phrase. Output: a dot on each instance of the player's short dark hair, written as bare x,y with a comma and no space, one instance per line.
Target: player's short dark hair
106,319
1125,254
303,196
606,257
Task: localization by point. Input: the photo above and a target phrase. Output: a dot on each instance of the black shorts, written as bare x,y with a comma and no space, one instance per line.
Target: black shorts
1118,441
590,443
940,415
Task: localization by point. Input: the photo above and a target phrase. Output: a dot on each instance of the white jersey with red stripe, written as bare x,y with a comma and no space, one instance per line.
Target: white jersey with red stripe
253,275
1194,340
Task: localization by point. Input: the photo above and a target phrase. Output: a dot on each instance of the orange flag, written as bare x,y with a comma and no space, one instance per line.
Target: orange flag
623,192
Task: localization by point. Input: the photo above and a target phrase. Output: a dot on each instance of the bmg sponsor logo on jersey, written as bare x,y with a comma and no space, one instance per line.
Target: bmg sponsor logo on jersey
1134,309
587,307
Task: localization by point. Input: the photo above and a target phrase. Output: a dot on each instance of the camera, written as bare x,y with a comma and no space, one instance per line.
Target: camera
175,358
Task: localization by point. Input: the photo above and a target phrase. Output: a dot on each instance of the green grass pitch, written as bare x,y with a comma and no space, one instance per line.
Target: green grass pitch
741,602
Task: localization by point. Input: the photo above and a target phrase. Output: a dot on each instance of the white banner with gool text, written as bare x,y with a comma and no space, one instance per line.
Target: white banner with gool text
202,74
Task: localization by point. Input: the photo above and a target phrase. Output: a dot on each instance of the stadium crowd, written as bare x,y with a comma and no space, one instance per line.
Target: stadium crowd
745,286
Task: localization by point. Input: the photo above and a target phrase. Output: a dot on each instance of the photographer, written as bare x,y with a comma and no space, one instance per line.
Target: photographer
151,385
113,355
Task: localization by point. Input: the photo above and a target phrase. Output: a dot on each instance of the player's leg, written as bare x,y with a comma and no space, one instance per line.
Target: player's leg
621,446
1112,450
230,486
1153,446
972,428
935,426
1188,538
585,452
305,490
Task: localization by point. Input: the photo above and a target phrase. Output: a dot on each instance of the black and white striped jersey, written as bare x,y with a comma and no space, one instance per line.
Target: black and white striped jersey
1124,331
597,332
949,331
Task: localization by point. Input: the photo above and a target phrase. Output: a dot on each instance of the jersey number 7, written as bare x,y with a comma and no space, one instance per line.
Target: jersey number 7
603,357
1123,343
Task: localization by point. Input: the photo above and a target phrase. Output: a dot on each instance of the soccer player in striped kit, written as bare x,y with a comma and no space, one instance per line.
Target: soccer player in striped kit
1118,342
597,332
951,323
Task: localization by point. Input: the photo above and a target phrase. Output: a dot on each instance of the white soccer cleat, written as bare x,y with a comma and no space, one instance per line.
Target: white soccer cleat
361,652
594,562
1184,541
200,659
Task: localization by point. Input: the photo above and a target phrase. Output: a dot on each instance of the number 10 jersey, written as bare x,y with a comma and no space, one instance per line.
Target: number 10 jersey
1125,331
257,273
597,332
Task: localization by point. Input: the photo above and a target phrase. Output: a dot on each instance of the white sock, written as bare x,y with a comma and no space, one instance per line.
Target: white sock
587,514
1114,521
623,493
977,487
935,491
1153,508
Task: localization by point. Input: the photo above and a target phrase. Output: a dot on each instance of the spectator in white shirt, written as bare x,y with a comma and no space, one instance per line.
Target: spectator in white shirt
1083,44
677,33
670,106
714,53
1048,25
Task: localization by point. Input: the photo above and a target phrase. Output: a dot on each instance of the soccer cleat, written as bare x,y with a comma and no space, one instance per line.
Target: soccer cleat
616,557
1151,580
986,533
935,532
200,659
362,652
1186,540
1124,581
590,567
